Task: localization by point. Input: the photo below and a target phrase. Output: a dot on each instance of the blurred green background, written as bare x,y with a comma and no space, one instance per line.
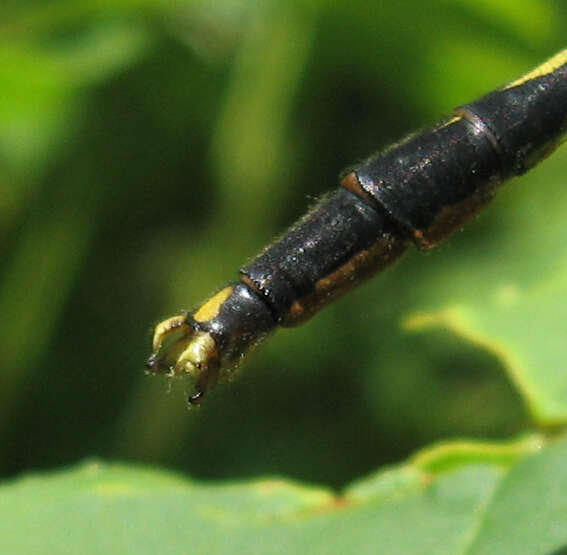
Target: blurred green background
148,148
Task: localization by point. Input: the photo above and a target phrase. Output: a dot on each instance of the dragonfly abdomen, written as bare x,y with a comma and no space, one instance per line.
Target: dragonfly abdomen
420,190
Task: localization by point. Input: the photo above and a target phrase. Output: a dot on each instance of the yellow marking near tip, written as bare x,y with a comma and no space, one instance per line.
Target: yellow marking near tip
211,308
544,69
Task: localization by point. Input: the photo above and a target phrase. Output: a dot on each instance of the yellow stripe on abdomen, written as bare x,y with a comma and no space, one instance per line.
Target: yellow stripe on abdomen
546,68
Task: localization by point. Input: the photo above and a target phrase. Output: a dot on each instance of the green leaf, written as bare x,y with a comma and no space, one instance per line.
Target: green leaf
529,510
476,506
533,355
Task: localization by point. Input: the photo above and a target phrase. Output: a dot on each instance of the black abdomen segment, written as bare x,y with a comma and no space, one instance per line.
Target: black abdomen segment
341,241
528,118
432,183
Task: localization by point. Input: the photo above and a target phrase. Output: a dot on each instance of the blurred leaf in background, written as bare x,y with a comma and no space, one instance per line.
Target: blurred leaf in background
148,148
